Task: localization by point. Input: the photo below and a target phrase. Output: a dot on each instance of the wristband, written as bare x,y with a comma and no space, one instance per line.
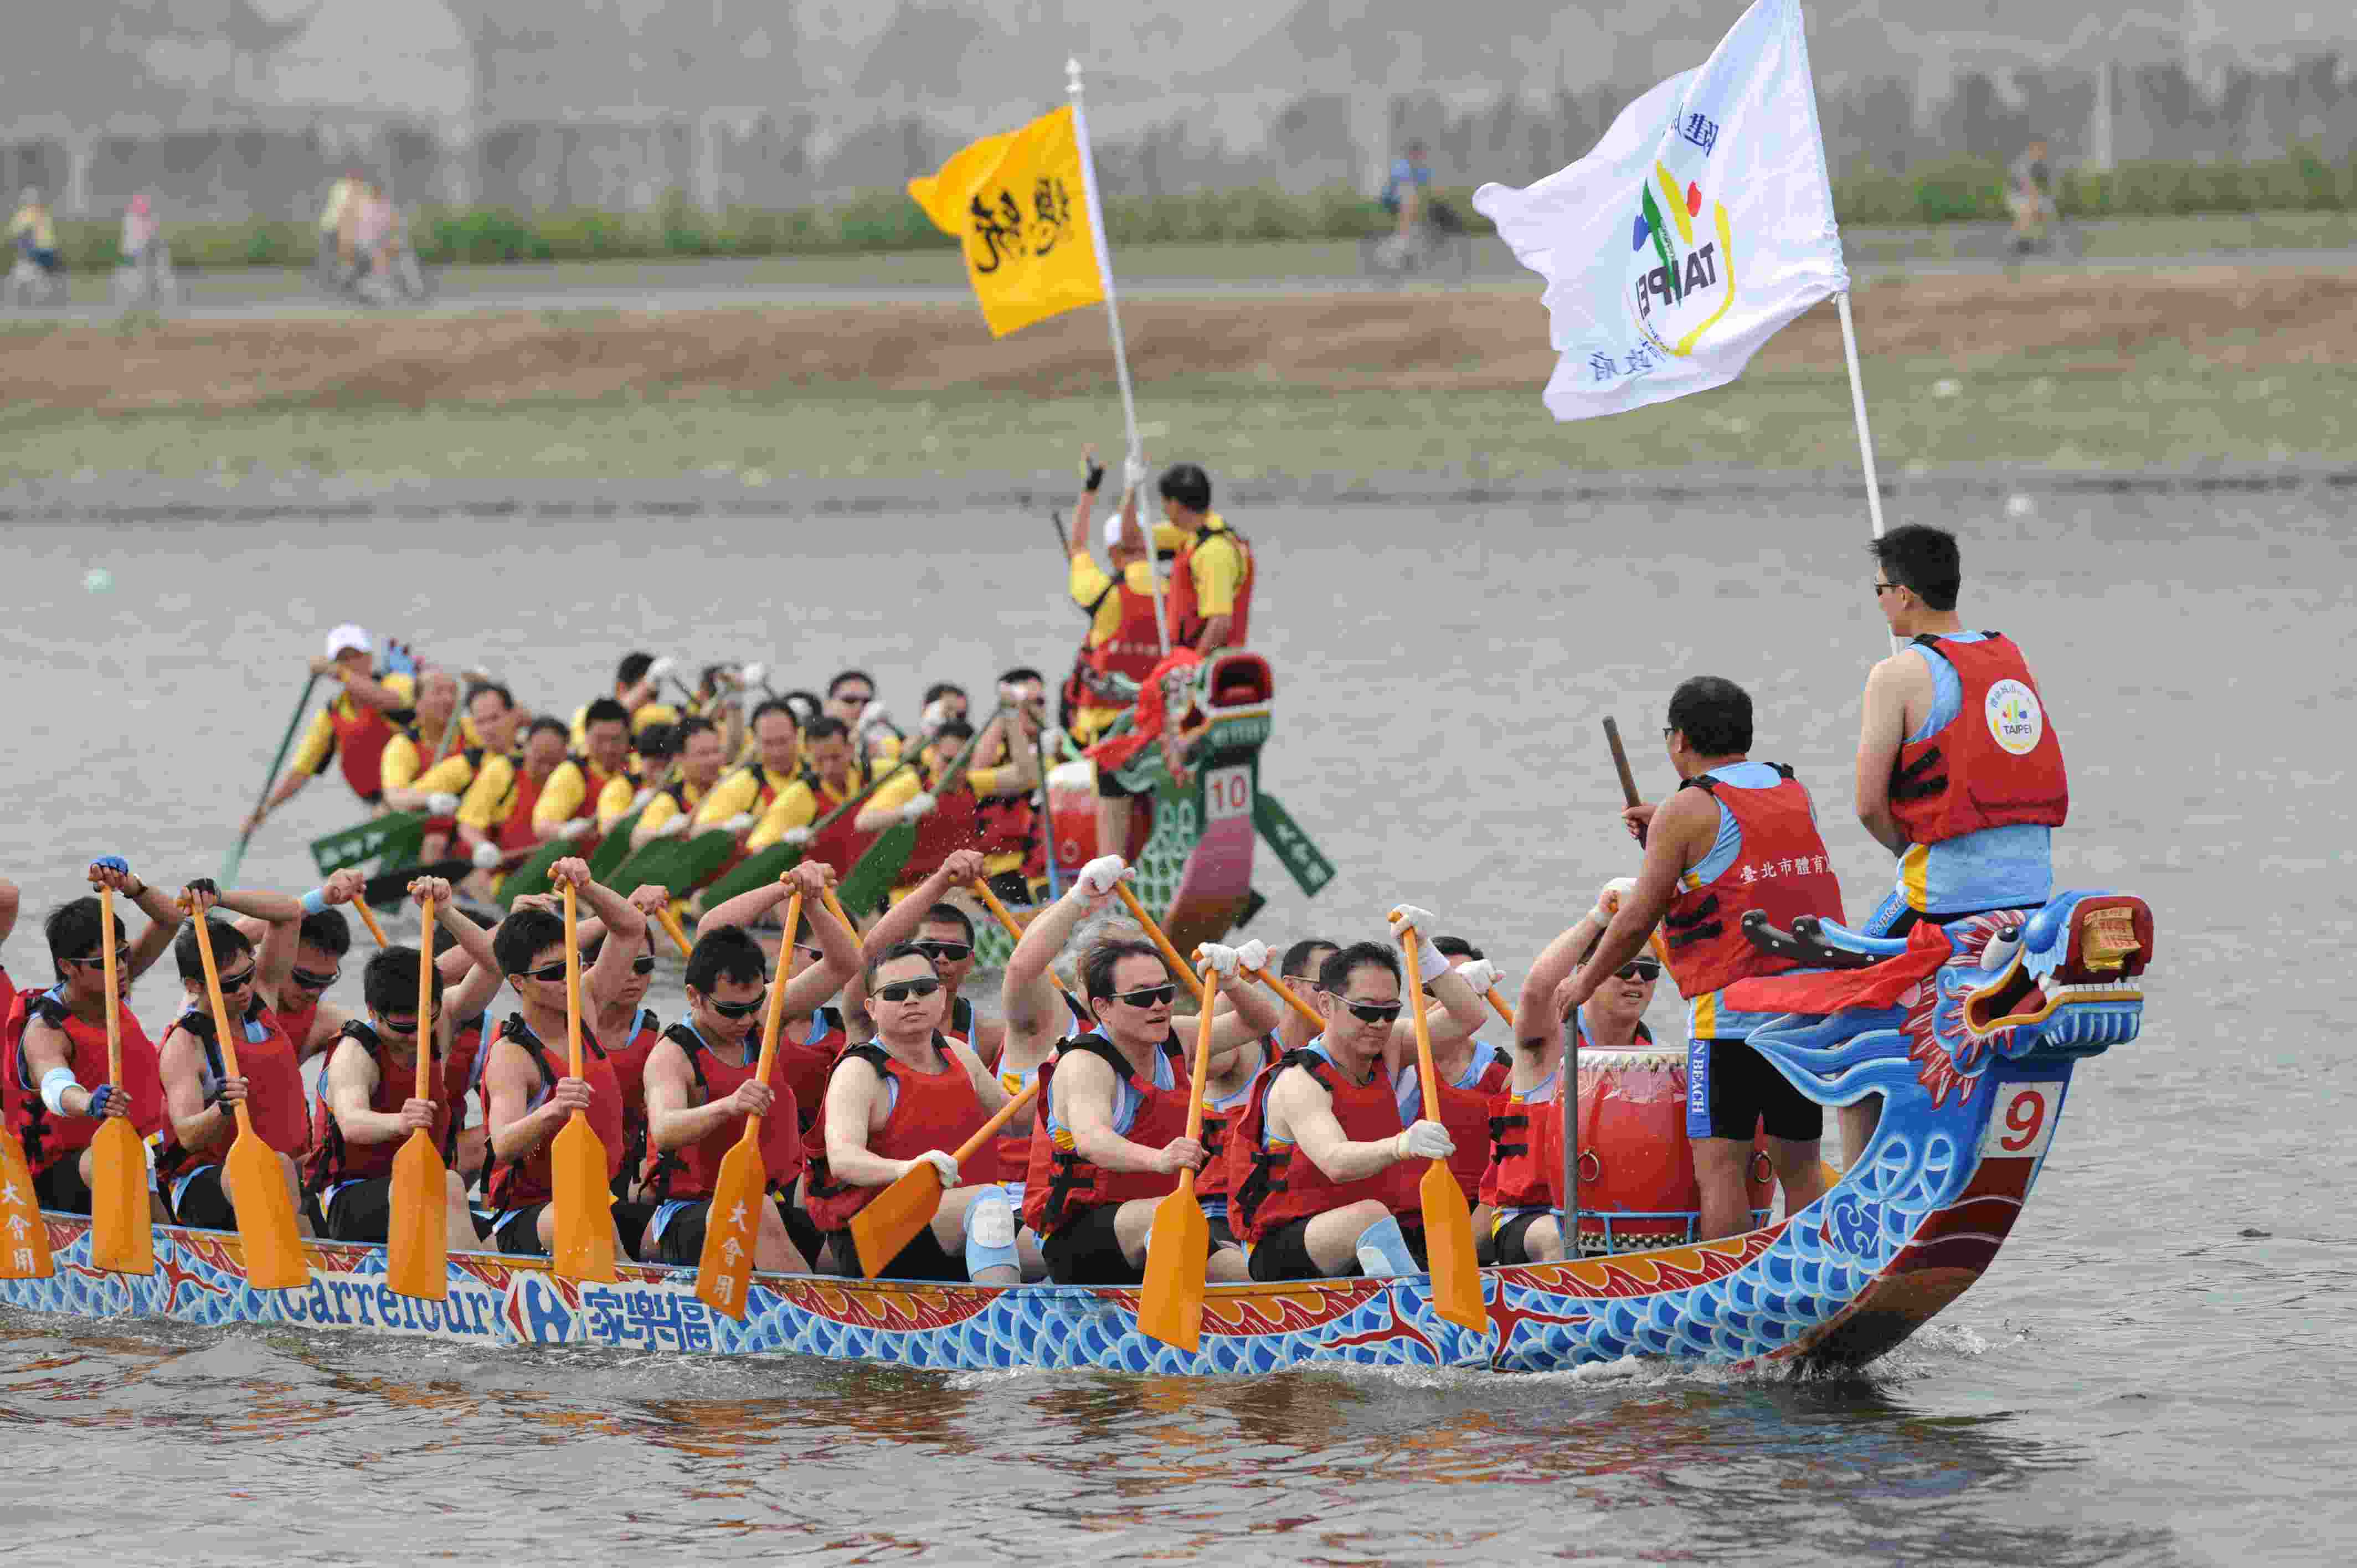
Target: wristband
1431,963
54,1084
314,902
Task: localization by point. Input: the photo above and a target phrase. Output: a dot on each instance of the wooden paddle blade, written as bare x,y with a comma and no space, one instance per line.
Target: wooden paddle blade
893,1216
24,1237
1449,1244
265,1217
585,1221
121,1227
417,1234
1171,1308
737,1194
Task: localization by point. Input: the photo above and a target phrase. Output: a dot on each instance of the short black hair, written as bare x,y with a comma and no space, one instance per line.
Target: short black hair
656,740
1924,560
388,983
825,727
1022,672
507,698
327,930
1334,975
860,675
548,724
1296,963
521,936
944,914
1099,962
708,678
1456,947
605,710
954,729
726,952
1713,713
941,689
694,725
894,953
72,930
229,943
1186,484
805,703
633,669
769,705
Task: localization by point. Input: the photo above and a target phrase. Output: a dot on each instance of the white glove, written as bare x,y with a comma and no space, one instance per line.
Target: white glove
1009,692
1610,899
577,828
936,715
486,856
1430,962
1133,472
1098,875
1223,960
1253,955
661,668
672,829
754,675
943,1165
1424,1141
742,822
920,807
644,798
873,713
797,836
1481,974
442,803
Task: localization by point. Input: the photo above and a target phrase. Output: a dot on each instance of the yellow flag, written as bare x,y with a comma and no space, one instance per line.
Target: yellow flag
1018,200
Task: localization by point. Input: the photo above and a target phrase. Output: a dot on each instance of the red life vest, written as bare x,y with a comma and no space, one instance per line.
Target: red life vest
840,843
931,1110
297,1025
1997,763
519,1184
1059,1184
517,833
426,763
361,733
1271,1187
802,1068
12,1024
1525,1169
274,1100
1781,869
1133,650
1187,619
48,1137
692,1171
1465,1111
628,1061
334,1158
953,823
1170,677
1009,1156
1219,1122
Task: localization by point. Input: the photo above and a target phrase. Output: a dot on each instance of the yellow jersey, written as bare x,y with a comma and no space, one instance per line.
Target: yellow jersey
573,782
492,797
652,714
317,746
668,803
800,805
403,757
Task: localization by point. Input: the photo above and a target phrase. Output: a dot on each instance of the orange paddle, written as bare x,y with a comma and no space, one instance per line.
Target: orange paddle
1292,997
368,919
1169,954
121,1227
670,923
1448,1222
893,1216
1007,921
577,1155
264,1207
417,1240
1498,1005
727,1263
24,1237
1171,1307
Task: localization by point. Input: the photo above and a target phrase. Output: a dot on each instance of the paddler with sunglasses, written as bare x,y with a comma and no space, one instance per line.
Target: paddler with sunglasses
945,933
809,1040
1322,1169
1111,1139
910,1096
323,938
58,1061
1524,1182
1473,1073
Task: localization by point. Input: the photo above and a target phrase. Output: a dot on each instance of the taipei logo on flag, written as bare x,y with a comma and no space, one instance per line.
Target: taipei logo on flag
1681,270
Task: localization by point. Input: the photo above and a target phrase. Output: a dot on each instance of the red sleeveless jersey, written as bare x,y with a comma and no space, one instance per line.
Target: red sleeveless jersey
1270,1188
1187,618
694,1170
48,1137
519,1184
936,1110
361,733
1781,869
1997,763
334,1157
1059,1184
1218,1122
1465,1111
274,1100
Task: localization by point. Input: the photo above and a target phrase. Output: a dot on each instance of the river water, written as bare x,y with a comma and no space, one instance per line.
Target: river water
2160,1369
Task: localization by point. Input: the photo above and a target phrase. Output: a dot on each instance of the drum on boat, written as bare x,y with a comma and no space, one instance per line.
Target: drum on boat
1637,1186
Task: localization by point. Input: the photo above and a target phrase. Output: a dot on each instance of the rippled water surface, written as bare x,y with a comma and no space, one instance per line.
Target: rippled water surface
2160,1368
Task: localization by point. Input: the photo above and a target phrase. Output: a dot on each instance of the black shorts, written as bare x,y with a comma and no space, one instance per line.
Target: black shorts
60,1188
201,1203
518,1235
682,1241
800,1228
1510,1237
1223,1233
362,1211
921,1259
1284,1254
1086,1252
1109,786
1731,1088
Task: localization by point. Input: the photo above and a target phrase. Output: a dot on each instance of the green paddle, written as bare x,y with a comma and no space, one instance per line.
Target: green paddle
236,856
876,871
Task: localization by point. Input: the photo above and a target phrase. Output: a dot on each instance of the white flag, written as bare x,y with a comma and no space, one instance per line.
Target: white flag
1698,227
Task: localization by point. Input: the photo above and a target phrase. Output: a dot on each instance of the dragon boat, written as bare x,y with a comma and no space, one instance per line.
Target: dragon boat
1969,1033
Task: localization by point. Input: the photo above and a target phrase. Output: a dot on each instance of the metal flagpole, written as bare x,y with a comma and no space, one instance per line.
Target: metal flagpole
1568,1099
1113,319
1857,412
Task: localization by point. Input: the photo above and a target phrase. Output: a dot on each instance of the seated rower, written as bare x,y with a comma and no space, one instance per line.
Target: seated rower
1298,968
58,1063
945,933
672,813
370,1106
1112,1137
637,680
809,1038
1523,1183
528,1090
1472,1072
592,789
1321,1171
910,1097
750,790
701,1087
425,766
199,1092
311,1021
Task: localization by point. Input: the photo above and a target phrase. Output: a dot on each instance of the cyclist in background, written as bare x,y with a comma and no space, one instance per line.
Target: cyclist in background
2028,185
35,230
1408,195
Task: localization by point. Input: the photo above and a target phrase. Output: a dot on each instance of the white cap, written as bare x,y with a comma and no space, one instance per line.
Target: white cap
348,636
1113,532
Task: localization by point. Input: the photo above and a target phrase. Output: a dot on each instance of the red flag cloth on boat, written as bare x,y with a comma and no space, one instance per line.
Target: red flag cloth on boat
1831,991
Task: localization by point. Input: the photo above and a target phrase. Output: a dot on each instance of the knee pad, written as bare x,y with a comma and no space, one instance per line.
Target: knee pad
1384,1251
989,1234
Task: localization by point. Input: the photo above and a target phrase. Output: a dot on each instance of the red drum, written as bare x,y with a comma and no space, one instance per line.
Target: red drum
1637,1186
1073,818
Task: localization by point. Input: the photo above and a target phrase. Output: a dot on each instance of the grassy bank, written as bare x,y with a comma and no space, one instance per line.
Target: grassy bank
883,222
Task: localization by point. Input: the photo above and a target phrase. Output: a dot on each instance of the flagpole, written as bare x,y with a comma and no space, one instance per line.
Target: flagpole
1113,320
1858,410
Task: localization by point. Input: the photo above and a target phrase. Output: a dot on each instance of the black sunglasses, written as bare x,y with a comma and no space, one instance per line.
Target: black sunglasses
1639,968
1147,996
862,698
1882,588
238,982
903,990
643,964
947,952
738,1009
403,1023
121,956
546,971
1374,1011
311,981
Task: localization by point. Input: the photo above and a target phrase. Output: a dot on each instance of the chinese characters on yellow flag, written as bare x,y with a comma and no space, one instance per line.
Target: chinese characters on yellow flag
1017,200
